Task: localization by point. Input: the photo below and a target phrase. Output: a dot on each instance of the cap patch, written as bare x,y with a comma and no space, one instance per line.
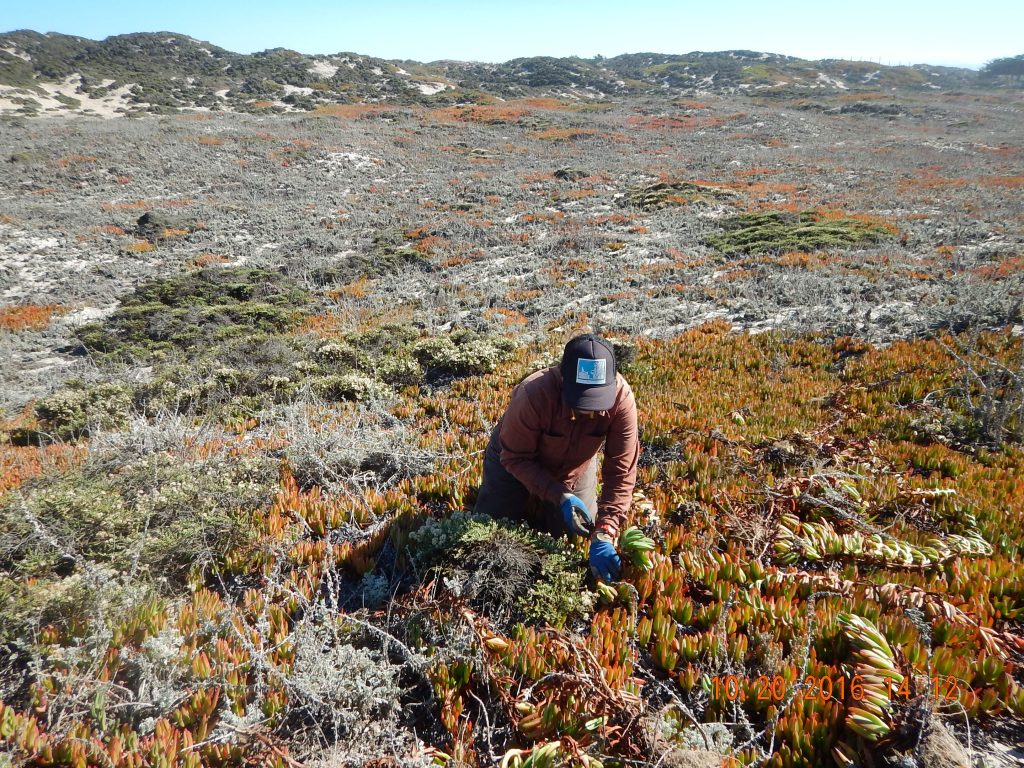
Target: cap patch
590,372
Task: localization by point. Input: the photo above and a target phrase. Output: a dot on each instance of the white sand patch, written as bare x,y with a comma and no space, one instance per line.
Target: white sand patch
86,315
15,52
401,71
290,89
871,76
46,96
222,94
824,79
429,89
35,265
323,69
336,161
378,71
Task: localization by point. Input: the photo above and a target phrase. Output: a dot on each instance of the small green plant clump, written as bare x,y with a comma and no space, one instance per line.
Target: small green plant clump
508,571
390,253
462,353
663,194
157,514
228,342
781,232
636,547
78,407
192,312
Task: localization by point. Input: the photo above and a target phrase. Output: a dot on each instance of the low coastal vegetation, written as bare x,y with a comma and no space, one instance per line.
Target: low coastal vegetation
185,577
254,361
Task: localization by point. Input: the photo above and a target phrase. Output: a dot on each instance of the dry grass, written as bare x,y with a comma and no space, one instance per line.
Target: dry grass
140,246
564,134
350,111
75,160
207,260
483,114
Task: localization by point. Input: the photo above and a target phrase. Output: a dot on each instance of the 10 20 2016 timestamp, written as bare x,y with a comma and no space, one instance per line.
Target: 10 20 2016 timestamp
776,689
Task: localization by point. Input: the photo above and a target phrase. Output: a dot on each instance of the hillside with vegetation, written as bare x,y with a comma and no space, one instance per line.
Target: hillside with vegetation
251,362
152,73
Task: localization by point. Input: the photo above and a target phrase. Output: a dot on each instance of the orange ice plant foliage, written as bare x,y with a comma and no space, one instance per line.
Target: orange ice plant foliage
1011,265
486,114
30,317
19,464
824,214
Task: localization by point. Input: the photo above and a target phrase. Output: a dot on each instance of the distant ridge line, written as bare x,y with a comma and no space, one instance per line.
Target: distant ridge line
154,72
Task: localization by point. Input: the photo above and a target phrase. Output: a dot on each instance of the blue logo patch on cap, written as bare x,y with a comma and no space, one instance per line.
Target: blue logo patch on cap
591,372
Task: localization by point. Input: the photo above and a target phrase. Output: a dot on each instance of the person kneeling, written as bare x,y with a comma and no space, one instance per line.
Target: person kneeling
540,465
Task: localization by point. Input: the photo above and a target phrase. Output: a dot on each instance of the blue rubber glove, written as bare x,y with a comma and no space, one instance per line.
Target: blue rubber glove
575,515
604,560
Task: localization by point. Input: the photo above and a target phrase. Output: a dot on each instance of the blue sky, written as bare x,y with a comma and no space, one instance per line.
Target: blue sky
891,32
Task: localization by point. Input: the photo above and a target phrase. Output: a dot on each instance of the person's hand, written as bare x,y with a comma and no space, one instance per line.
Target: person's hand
604,560
575,515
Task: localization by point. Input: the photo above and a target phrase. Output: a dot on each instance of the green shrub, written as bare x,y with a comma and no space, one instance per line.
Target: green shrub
70,412
669,193
27,157
398,370
349,386
184,387
397,355
344,354
384,339
779,232
159,516
68,101
462,353
67,603
195,311
508,571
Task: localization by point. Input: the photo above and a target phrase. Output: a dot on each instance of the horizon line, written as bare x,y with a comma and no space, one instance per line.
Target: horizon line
872,60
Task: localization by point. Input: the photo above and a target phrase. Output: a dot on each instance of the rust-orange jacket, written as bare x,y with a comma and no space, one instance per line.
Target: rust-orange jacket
545,446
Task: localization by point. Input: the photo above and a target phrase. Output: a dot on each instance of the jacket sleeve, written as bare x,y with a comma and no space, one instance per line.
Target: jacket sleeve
519,436
618,472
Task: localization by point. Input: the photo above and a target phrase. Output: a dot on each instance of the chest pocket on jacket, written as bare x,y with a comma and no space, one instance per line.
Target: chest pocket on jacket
591,440
553,446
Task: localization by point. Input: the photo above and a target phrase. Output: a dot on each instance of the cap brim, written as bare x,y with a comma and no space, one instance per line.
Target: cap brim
591,398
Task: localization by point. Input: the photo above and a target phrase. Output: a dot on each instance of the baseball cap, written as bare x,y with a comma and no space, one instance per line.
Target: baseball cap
588,373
